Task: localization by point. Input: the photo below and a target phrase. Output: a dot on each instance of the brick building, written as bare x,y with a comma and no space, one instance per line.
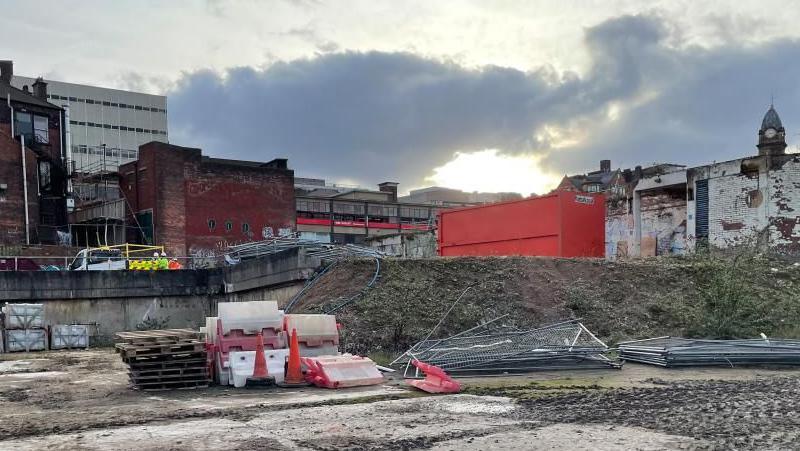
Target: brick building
746,201
195,205
751,200
643,193
25,115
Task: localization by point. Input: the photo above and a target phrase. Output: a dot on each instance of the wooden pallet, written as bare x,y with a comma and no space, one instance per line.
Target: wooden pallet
174,385
129,350
164,359
159,336
150,364
168,373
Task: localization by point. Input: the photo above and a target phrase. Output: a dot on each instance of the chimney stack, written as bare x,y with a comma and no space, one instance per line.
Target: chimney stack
389,187
6,71
40,88
605,165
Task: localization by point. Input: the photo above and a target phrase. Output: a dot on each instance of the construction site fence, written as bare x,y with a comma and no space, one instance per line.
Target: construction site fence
50,263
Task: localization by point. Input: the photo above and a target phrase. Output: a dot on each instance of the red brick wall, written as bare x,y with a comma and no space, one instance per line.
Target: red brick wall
12,206
185,192
262,198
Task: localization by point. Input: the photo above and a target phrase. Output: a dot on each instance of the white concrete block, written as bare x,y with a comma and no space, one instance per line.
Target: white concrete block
69,336
24,316
24,340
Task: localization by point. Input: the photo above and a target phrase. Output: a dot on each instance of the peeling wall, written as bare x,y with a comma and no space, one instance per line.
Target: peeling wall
417,245
663,216
784,198
751,201
664,219
619,235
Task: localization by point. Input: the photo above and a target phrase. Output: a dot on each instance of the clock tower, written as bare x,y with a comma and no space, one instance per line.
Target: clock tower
771,136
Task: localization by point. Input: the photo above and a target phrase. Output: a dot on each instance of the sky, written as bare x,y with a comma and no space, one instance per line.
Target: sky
491,95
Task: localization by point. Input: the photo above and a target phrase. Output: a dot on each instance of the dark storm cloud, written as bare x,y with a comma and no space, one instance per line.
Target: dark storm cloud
378,116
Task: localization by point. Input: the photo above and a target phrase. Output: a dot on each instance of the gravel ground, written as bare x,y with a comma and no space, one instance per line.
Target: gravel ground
753,414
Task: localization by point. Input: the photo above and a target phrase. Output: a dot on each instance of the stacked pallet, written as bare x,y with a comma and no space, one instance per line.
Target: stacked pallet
165,359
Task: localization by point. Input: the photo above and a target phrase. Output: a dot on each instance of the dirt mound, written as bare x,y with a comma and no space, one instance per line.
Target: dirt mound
615,300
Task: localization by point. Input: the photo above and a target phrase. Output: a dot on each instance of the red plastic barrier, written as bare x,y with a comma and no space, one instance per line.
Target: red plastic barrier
341,371
436,379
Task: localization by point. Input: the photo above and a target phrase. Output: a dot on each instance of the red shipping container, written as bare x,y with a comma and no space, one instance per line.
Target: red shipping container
562,224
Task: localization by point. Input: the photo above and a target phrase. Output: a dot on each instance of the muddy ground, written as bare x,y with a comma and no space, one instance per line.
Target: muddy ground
80,400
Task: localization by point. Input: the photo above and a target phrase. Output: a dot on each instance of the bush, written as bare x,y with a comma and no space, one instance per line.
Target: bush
737,297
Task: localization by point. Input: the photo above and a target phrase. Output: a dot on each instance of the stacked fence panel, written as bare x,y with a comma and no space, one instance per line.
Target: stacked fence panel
681,352
502,350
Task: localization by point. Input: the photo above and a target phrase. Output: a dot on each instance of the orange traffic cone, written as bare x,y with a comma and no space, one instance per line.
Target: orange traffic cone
260,377
293,375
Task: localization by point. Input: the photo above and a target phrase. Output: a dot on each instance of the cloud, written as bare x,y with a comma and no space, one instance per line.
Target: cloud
374,116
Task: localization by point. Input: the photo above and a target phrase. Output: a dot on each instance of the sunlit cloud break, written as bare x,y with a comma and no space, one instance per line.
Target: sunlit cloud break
492,171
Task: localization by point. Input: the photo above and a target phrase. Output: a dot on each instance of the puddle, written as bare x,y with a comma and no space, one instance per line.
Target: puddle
495,406
34,375
14,365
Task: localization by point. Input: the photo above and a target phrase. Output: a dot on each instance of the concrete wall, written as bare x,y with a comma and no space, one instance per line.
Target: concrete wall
113,301
110,315
416,245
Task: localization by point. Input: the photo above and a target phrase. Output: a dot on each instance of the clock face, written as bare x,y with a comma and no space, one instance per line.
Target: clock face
770,133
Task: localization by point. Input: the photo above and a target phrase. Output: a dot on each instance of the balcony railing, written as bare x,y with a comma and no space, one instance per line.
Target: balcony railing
114,209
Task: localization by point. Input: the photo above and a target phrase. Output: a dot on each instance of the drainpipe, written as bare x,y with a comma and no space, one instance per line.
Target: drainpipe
24,172
60,137
68,145
25,190
8,99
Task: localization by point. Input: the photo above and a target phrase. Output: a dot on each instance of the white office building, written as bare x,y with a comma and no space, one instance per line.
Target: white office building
106,119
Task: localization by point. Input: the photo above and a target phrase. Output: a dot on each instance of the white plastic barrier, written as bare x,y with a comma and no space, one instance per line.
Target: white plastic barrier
250,317
69,336
24,316
315,330
24,340
317,351
241,365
